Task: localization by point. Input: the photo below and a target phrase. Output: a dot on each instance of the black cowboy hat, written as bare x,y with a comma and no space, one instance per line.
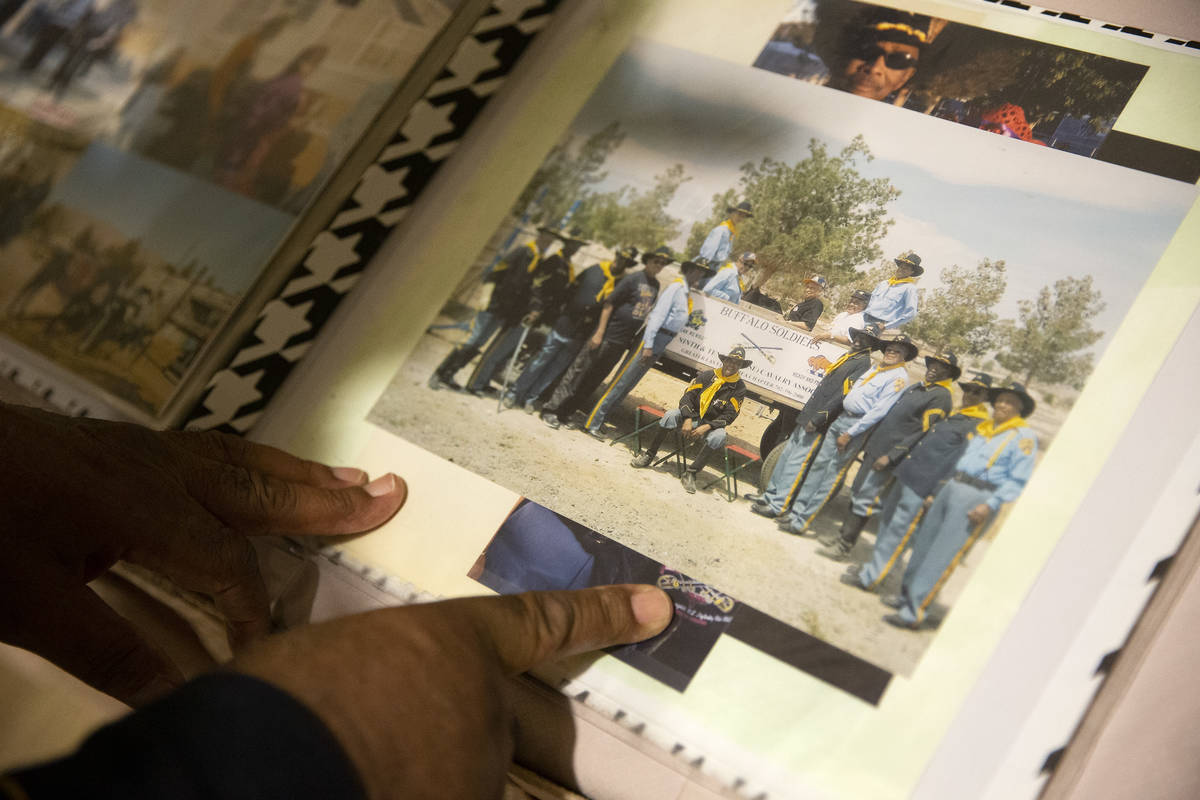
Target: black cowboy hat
659,252
700,270
861,295
912,261
950,360
738,352
869,332
1027,402
743,207
566,238
901,339
890,25
628,252
981,381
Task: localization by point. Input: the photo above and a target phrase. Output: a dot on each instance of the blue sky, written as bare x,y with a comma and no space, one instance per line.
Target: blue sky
176,215
966,194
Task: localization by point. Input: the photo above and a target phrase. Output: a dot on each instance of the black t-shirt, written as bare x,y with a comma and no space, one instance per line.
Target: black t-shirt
578,317
631,300
806,311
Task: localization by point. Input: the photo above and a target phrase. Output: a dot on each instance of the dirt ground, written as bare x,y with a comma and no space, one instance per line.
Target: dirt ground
704,535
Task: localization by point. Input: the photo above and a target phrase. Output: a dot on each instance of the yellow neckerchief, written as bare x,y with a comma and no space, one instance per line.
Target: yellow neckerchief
898,281
686,292
609,281
729,224
947,383
537,256
989,430
977,411
845,357
741,283
708,394
880,369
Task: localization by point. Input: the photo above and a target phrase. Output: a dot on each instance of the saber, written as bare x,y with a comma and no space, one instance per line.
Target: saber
512,362
762,350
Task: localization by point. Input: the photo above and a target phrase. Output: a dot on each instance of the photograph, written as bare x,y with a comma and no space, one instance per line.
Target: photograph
802,347
1019,88
125,290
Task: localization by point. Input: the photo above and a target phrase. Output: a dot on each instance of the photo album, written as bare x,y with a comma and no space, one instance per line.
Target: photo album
860,329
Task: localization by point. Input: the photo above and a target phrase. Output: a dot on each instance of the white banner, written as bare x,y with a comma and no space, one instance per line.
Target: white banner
788,364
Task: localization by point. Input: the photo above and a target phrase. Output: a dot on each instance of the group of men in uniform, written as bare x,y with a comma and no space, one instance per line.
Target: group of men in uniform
933,476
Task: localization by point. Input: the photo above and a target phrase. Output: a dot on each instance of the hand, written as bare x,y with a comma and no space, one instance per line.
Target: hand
647,354
686,427
881,463
595,342
979,513
80,494
418,696
810,427
701,430
842,441
927,502
821,337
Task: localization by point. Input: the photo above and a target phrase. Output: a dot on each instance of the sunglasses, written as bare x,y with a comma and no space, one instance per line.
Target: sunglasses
870,52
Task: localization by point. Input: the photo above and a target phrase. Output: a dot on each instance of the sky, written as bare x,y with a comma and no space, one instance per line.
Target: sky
176,215
965,194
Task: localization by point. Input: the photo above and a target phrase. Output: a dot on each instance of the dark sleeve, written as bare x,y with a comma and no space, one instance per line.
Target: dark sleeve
937,409
813,313
220,736
689,404
852,372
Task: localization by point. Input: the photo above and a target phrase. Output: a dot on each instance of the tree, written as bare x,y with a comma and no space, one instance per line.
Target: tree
566,174
958,314
1045,342
819,215
627,216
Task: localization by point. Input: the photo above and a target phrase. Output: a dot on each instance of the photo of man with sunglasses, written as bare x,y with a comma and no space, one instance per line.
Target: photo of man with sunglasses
881,53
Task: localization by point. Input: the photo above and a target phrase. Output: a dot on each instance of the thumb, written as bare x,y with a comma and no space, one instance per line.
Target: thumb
532,628
78,632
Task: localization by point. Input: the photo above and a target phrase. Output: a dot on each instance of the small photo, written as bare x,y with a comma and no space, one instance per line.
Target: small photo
1019,88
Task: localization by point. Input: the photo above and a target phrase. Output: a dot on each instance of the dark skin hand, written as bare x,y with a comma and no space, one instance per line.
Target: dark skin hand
420,696
79,495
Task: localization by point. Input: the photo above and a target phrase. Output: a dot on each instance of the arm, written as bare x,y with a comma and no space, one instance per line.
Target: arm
658,314
1019,460
689,404
938,410
598,336
885,397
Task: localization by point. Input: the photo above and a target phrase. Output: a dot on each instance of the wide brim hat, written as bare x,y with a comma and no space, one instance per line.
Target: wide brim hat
1027,402
982,381
950,360
877,24
738,352
912,261
861,295
743,207
869,332
902,339
566,238
659,252
691,266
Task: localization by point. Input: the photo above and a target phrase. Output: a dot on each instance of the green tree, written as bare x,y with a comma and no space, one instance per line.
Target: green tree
1045,342
567,172
627,216
819,215
958,315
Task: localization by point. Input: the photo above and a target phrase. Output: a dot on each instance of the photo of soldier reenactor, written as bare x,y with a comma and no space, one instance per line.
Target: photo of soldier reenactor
621,320
732,279
809,309
575,323
718,244
551,282
914,413
916,478
822,408
867,402
512,284
894,301
671,312
880,54
992,471
709,405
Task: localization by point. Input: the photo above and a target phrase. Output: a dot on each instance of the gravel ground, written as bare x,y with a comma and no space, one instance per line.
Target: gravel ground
703,535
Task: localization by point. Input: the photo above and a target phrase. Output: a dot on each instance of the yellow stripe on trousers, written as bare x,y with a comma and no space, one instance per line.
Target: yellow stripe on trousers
787,501
883,573
937,587
636,354
832,491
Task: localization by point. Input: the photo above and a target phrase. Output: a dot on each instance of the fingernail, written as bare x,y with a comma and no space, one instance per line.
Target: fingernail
652,607
350,475
384,484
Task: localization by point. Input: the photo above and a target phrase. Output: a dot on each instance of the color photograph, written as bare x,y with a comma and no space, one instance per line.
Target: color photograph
801,346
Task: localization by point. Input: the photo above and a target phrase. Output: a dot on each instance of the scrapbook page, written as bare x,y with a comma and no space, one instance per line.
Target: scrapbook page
989,213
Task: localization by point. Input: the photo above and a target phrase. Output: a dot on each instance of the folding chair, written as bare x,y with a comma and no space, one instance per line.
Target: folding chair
638,426
733,467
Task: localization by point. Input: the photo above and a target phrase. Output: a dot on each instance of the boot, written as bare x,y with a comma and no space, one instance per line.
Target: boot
840,549
458,358
700,460
660,433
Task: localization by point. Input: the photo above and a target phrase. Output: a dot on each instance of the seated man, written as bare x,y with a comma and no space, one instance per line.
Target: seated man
711,402
852,317
730,281
809,309
894,301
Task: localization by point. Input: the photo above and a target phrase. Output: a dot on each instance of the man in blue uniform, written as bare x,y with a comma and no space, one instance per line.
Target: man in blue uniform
671,312
730,281
918,475
894,301
621,319
992,471
718,245
708,406
867,402
919,406
512,280
572,328
811,423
